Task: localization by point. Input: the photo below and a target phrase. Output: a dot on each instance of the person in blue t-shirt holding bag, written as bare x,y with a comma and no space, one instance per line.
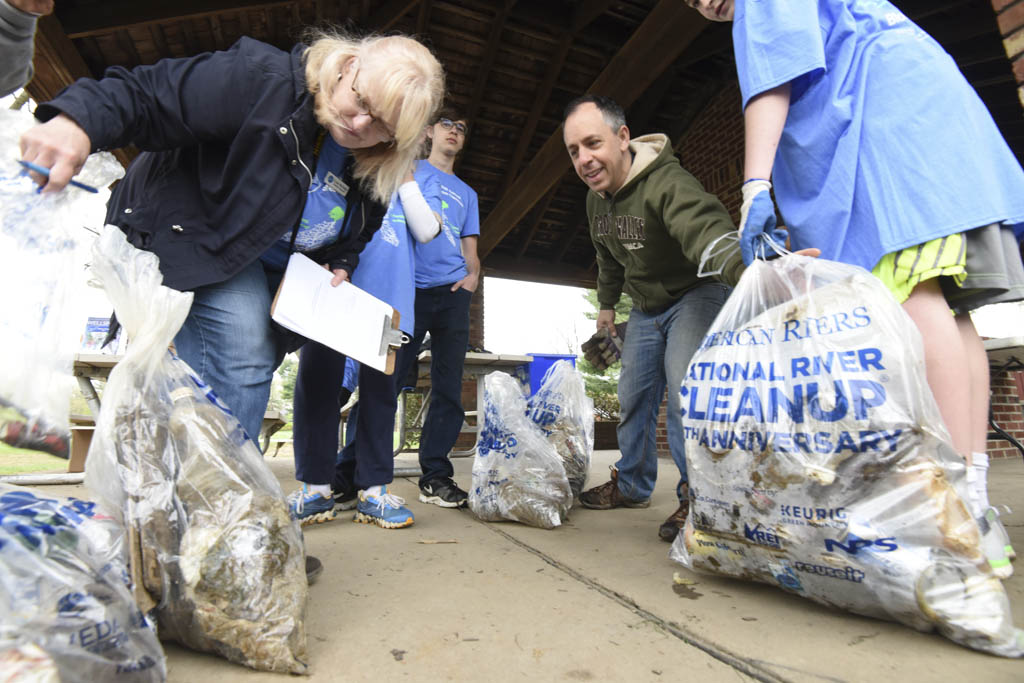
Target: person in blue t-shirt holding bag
447,274
366,466
883,156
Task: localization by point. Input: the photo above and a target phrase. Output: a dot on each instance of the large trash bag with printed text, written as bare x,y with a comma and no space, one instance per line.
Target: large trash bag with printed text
215,552
564,412
818,460
66,609
517,474
39,237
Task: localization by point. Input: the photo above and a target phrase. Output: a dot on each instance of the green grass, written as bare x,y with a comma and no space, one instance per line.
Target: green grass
22,461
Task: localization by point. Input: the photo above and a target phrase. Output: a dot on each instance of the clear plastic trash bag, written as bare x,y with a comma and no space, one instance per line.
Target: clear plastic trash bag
39,236
217,549
517,474
818,460
66,609
564,412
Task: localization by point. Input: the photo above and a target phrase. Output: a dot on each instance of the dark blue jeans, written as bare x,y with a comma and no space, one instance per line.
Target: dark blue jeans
445,314
315,423
229,340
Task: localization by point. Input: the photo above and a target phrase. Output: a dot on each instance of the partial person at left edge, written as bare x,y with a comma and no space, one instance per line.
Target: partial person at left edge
18,19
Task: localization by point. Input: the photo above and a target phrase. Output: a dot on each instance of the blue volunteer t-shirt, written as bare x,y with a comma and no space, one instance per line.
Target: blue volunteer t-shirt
440,261
387,266
324,214
886,145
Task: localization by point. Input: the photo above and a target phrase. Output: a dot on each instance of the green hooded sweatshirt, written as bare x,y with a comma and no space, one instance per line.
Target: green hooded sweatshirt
650,234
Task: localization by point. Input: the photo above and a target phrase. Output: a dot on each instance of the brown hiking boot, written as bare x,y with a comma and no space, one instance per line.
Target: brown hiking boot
675,522
607,496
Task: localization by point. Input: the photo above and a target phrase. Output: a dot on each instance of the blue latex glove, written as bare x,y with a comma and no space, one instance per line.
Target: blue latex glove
757,222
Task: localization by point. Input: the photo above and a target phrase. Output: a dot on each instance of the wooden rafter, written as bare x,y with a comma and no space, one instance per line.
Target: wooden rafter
484,67
669,28
539,215
582,16
104,18
388,14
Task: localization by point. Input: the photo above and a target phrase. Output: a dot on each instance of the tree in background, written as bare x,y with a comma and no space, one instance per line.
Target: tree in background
283,388
603,385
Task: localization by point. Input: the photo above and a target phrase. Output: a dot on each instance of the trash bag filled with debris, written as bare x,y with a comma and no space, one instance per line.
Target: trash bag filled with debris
39,235
564,412
818,460
66,611
517,474
213,544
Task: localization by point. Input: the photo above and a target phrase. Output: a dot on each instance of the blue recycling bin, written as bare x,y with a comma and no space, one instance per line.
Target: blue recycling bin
542,362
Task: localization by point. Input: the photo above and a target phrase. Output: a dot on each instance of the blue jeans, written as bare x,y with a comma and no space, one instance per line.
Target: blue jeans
657,349
228,339
445,314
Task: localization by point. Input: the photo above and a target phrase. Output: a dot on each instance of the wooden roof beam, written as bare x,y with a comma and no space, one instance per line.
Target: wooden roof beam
539,215
582,16
484,68
389,14
95,19
666,32
536,270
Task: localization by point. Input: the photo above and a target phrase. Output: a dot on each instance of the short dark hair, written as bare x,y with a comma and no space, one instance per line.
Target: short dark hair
610,110
452,113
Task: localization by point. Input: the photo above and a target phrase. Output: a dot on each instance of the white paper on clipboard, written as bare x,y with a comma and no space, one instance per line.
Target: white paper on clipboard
344,318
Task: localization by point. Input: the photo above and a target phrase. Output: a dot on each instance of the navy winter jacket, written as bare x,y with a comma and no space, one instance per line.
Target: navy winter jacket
228,152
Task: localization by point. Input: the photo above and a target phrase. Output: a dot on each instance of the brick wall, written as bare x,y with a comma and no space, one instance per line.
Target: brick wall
712,148
1008,412
1010,15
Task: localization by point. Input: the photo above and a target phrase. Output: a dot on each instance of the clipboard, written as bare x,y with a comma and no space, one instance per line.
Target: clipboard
345,318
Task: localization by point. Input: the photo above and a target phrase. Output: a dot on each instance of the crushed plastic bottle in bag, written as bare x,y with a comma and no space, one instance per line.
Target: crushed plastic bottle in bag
216,550
40,235
818,460
67,612
564,412
517,474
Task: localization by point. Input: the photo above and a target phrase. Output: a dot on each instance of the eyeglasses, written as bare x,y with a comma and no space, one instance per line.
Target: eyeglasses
448,124
364,108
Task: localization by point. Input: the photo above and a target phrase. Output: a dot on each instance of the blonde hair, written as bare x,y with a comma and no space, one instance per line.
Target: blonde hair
407,81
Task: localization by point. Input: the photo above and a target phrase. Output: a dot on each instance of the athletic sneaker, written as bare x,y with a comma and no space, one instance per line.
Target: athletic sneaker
345,500
309,507
383,509
443,492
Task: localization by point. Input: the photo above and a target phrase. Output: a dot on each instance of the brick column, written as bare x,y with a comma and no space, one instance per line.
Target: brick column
1008,412
1010,15
476,316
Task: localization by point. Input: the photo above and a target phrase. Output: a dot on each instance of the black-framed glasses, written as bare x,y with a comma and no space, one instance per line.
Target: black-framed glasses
364,108
448,124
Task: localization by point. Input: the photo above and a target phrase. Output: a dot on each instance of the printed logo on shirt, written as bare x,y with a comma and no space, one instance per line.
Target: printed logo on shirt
624,227
388,234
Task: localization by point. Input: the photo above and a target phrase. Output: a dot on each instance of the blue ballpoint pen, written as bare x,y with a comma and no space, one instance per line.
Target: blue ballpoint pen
46,172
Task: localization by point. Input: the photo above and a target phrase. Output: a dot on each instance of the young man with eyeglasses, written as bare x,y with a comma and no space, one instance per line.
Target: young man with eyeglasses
447,274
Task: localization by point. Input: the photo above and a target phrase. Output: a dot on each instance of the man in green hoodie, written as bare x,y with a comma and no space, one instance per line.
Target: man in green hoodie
650,222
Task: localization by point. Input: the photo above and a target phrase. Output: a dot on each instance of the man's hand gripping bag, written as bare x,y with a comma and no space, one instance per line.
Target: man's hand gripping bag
818,460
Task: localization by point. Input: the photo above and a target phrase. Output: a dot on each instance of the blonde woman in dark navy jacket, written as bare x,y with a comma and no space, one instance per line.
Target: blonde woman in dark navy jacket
231,143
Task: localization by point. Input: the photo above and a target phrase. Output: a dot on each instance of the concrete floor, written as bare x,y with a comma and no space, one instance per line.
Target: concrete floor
452,598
